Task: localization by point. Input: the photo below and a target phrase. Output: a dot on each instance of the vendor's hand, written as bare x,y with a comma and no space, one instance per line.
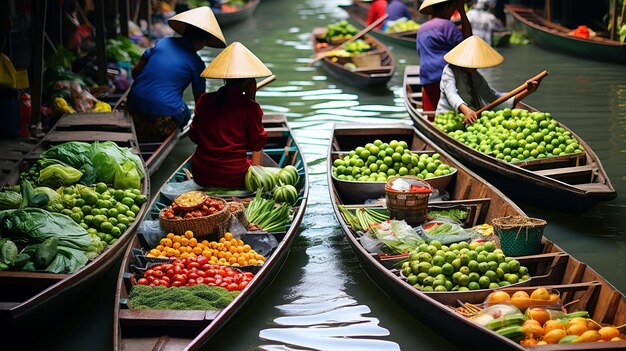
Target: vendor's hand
470,115
532,85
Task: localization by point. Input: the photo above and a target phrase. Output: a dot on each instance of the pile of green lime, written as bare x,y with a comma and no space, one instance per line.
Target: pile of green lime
461,267
511,135
102,211
377,161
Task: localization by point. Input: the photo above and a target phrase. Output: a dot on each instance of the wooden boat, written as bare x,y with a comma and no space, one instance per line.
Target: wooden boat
578,283
227,18
572,182
553,36
358,12
136,329
376,69
29,298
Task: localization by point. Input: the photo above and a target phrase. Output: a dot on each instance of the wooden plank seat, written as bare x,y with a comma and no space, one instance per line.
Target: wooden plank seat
566,171
413,81
174,318
371,70
58,137
115,119
412,70
593,187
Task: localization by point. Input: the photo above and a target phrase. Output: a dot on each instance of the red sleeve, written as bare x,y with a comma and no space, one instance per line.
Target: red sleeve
256,133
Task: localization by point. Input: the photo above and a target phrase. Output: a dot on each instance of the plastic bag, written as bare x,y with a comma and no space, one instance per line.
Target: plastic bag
445,230
493,312
150,233
398,236
174,189
82,100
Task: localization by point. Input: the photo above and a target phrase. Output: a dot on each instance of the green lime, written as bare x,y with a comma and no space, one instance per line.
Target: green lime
447,269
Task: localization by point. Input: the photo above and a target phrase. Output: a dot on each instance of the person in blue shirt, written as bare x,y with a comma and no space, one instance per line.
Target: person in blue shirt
164,72
435,38
396,9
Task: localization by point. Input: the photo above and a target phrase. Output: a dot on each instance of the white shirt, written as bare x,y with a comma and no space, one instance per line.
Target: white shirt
483,23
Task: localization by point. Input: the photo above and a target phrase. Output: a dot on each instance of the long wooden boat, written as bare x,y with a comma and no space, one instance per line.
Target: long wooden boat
578,284
553,36
375,73
29,298
572,182
358,12
136,329
226,18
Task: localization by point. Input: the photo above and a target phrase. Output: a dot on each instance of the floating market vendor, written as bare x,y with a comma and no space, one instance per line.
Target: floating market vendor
377,9
163,73
435,38
464,89
228,122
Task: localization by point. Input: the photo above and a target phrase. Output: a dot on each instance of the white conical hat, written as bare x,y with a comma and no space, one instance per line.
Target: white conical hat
202,18
474,52
426,8
236,61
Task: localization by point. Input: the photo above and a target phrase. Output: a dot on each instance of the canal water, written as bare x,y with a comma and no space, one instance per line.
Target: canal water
322,299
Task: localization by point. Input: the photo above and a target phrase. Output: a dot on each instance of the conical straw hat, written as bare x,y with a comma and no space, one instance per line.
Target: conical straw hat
426,8
473,52
236,61
203,18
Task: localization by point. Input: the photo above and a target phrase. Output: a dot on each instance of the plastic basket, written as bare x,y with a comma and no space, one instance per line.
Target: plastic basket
216,223
411,207
519,235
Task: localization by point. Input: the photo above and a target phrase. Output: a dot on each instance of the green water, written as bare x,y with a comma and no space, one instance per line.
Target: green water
322,300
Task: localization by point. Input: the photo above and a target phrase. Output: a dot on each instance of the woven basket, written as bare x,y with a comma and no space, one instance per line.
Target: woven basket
240,214
216,223
411,207
519,235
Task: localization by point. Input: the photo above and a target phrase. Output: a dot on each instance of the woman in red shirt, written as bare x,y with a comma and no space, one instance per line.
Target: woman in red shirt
228,123
377,9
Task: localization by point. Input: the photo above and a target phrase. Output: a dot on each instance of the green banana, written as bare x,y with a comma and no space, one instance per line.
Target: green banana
568,339
513,332
508,320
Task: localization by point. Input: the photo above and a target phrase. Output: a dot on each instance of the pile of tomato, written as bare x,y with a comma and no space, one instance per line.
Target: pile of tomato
208,207
191,271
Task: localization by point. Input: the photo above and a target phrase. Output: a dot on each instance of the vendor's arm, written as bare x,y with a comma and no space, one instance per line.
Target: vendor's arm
198,83
466,27
257,158
450,99
193,130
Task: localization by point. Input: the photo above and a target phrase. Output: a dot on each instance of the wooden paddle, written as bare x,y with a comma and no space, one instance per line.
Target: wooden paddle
354,37
513,92
265,81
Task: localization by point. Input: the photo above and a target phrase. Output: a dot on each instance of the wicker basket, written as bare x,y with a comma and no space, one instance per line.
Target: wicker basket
519,235
409,206
240,214
367,60
216,223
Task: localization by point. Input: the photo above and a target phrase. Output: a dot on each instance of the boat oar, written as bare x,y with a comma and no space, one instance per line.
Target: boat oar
513,92
364,31
265,81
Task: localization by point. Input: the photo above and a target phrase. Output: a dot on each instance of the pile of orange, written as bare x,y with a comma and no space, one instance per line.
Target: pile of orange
228,251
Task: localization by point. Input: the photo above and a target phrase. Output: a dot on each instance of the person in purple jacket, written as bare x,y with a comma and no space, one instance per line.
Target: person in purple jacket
435,38
397,9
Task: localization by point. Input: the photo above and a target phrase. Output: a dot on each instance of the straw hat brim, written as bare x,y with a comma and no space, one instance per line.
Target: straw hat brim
202,18
236,61
474,52
426,7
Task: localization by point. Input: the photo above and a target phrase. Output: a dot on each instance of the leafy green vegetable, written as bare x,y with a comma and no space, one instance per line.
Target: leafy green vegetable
57,175
53,197
127,176
197,297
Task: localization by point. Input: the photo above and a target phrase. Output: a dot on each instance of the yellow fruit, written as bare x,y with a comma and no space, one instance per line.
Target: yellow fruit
497,297
577,329
608,333
554,335
540,294
552,325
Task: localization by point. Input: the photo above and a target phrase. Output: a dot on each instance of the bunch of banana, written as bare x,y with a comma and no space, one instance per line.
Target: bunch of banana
509,326
259,177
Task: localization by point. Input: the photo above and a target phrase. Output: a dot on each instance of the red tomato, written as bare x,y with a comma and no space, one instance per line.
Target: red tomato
195,265
170,272
202,260
191,282
224,284
232,287
205,267
178,268
210,272
164,283
201,273
228,279
177,283
166,266
222,272
192,275
148,273
219,282
200,280
230,273
180,278
209,281
248,275
158,274
143,281
150,278
218,276
243,284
